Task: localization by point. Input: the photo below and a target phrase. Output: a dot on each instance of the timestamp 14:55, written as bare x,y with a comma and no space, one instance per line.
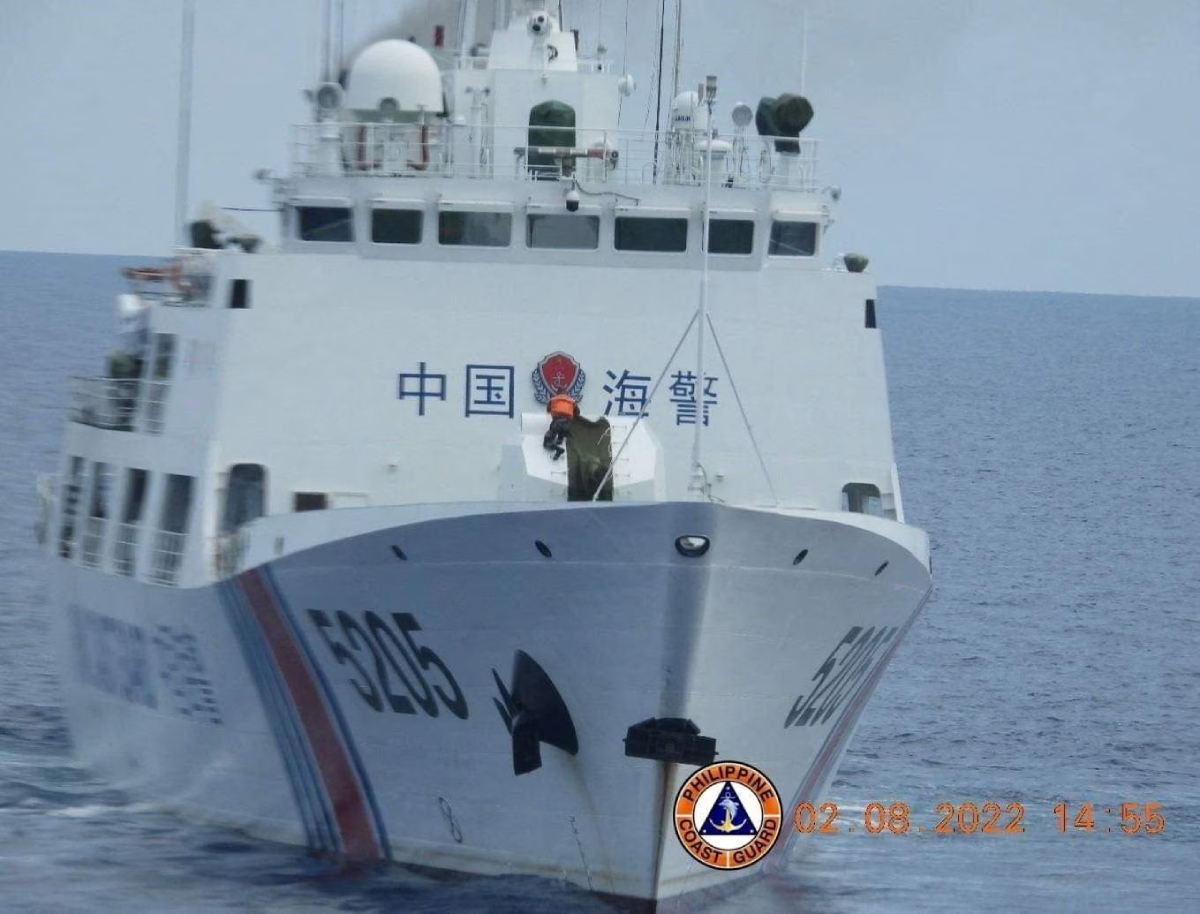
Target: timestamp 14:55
1134,818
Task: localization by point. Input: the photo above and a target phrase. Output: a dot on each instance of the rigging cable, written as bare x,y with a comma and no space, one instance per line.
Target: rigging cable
645,410
662,36
742,409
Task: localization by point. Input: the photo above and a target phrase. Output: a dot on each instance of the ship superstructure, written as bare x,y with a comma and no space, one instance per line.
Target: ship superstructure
318,576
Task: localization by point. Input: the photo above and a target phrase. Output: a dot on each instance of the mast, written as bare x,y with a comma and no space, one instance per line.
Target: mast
698,483
183,149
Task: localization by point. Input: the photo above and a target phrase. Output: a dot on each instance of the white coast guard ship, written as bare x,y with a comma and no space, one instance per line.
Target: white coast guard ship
316,575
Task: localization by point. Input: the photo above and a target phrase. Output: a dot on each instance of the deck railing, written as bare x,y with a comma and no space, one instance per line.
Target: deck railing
104,402
112,403
91,541
125,549
167,557
633,158
229,551
156,399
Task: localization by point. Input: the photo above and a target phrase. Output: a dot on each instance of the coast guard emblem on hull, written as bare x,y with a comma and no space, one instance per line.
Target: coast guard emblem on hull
558,370
728,815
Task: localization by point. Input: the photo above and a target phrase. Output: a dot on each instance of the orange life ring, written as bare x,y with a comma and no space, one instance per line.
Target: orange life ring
178,280
361,158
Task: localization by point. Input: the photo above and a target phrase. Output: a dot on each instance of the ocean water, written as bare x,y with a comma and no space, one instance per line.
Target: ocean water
1049,443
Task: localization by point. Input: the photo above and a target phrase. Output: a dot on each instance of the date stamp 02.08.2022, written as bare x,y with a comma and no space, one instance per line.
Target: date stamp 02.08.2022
967,818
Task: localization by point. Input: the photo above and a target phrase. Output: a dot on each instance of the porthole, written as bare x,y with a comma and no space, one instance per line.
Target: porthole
543,549
800,557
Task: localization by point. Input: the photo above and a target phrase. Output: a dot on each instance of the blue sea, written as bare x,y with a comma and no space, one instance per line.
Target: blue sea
1050,443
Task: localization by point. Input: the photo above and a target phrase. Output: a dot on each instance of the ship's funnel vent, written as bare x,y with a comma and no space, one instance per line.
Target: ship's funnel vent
534,713
785,116
670,739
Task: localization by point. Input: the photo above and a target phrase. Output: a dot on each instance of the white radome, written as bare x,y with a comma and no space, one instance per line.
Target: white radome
394,71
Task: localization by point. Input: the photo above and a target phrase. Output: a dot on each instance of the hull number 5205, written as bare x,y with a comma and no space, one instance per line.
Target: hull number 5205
390,670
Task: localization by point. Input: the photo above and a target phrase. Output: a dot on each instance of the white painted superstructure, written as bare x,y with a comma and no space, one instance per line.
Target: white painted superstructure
307,541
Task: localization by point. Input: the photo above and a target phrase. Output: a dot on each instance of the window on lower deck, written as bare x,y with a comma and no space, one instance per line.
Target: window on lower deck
862,498
97,515
563,232
70,508
731,236
325,223
171,538
245,495
125,543
397,226
640,233
311,501
793,239
481,230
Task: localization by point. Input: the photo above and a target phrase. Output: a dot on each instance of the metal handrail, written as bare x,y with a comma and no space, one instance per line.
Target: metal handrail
155,409
167,557
91,541
104,402
634,158
125,549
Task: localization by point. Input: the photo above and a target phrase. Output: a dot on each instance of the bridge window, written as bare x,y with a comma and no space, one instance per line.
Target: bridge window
563,232
469,229
397,226
862,498
638,233
325,223
793,239
731,236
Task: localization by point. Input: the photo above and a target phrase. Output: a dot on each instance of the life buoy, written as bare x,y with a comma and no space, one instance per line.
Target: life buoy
362,156
424,163
178,280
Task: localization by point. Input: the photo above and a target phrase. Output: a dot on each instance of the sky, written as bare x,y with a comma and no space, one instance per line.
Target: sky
1040,145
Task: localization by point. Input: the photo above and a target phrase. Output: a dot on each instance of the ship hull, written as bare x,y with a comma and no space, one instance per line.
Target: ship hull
360,696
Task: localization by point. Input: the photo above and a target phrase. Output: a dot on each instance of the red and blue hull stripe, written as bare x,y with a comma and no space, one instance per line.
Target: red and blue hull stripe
329,783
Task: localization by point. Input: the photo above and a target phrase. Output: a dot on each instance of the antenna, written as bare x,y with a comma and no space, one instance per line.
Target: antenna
183,150
662,36
803,49
339,42
678,47
326,40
